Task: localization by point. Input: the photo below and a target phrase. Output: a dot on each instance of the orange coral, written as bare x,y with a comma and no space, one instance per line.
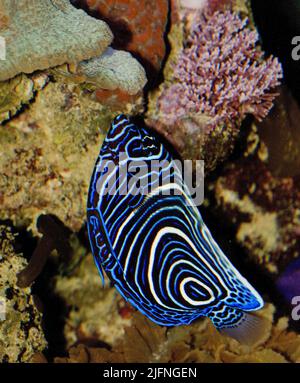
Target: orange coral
115,98
138,27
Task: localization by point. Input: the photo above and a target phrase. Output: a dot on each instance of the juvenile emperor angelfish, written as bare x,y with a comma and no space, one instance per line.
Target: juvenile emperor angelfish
154,245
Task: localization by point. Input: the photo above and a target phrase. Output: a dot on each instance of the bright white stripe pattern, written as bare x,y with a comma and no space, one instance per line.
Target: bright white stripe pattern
155,248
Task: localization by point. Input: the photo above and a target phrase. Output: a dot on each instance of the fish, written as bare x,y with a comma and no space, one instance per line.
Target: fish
154,245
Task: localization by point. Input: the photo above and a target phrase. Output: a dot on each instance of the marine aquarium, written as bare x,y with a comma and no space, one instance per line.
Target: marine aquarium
149,182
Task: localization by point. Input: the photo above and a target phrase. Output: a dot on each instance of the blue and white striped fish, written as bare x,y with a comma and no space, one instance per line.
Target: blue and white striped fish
155,248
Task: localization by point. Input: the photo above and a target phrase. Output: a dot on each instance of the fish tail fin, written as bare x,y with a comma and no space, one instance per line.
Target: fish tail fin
238,324
248,330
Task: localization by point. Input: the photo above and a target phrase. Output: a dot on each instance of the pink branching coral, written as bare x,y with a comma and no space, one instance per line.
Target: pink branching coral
221,74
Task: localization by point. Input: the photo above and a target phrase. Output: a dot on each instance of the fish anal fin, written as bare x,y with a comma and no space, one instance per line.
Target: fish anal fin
248,330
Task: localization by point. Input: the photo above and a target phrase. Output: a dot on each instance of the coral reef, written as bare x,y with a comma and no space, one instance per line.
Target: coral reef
212,88
198,343
62,37
44,34
114,70
50,151
68,72
21,334
220,83
95,313
138,27
259,192
19,91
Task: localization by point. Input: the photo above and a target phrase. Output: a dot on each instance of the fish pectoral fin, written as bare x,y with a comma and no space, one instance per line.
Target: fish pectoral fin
248,330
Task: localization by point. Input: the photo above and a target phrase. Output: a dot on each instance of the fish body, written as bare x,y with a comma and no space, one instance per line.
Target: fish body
154,247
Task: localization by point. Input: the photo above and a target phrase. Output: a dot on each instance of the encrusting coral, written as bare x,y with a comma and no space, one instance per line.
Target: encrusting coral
44,34
21,334
19,91
107,72
200,342
50,150
138,27
218,78
54,34
62,120
94,313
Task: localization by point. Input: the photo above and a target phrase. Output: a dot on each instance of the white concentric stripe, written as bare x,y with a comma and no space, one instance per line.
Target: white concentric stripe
155,192
181,261
124,224
131,216
120,202
192,301
175,186
117,206
222,258
130,253
119,233
159,235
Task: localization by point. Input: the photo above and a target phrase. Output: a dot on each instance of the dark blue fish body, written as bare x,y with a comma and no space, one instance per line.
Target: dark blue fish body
155,248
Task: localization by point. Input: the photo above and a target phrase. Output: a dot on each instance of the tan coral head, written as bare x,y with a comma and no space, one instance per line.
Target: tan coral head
44,34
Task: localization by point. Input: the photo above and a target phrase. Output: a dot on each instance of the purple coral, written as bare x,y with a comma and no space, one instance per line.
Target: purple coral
221,73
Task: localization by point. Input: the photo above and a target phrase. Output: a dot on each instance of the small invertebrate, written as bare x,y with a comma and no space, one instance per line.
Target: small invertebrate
155,247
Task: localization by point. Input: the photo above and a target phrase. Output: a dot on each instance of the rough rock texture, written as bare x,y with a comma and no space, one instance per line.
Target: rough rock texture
138,27
259,193
19,91
114,70
54,34
199,343
50,150
21,334
94,311
44,34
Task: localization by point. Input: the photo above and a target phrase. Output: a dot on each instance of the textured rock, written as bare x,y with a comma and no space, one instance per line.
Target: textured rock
114,70
138,27
48,33
50,151
21,334
94,311
200,342
19,91
259,192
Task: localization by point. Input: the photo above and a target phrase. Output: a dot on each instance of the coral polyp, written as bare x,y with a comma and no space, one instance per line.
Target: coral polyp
223,81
